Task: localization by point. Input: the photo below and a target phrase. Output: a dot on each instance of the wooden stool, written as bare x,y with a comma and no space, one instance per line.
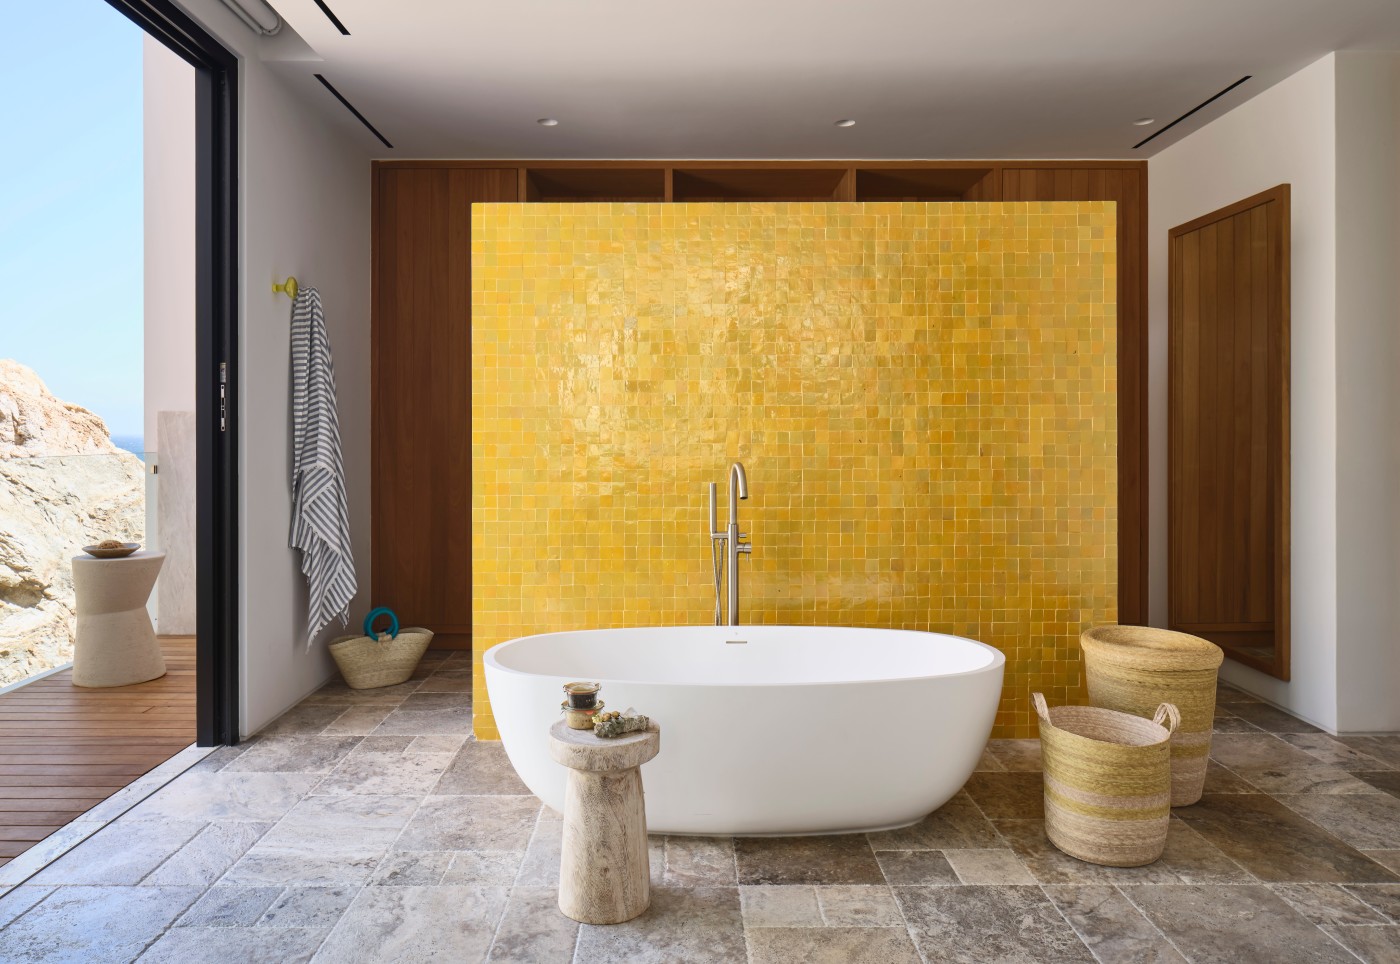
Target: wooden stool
605,870
115,644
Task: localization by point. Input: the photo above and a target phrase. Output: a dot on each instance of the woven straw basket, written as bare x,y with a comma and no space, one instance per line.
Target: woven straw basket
1107,782
366,663
1133,668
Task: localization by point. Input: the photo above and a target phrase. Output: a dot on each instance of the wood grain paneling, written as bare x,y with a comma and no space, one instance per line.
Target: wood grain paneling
422,310
1126,185
421,397
1228,320
64,748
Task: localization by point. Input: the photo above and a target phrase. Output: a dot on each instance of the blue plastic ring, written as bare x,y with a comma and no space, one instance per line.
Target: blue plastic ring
375,614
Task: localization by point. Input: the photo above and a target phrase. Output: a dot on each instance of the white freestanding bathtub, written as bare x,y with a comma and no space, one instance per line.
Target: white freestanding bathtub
765,729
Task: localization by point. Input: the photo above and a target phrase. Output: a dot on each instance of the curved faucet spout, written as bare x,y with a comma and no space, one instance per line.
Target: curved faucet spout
738,488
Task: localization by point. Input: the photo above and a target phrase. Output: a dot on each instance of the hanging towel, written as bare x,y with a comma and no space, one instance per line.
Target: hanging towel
320,519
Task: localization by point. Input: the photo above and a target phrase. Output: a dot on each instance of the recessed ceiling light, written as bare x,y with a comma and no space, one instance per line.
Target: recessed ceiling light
1144,121
845,122
547,122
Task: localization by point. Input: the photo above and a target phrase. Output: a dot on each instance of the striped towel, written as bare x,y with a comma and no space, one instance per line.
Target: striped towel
320,519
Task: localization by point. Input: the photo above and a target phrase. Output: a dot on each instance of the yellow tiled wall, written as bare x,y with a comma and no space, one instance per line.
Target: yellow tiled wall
923,395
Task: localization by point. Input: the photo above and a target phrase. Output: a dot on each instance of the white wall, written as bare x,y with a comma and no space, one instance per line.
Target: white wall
168,87
168,293
1286,134
1333,132
1368,391
304,196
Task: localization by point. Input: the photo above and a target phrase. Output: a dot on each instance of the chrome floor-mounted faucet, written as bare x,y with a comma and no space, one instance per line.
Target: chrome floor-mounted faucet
725,547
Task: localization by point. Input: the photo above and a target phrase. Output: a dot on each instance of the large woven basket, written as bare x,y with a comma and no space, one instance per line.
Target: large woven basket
366,663
1107,782
1135,668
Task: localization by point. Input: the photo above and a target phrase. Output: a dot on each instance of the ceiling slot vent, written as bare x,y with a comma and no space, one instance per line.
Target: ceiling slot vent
1204,103
351,108
330,15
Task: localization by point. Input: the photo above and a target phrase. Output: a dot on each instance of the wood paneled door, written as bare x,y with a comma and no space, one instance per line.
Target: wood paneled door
421,397
1228,530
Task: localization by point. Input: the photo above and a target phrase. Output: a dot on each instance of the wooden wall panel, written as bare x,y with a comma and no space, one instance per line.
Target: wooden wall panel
1126,185
421,352
1228,429
421,505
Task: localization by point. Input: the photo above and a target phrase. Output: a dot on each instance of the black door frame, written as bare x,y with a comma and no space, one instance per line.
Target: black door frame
216,344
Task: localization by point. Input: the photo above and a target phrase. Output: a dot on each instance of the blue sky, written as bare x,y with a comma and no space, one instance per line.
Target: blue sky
70,203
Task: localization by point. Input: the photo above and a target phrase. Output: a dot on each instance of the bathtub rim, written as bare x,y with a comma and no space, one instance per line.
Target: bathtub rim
489,658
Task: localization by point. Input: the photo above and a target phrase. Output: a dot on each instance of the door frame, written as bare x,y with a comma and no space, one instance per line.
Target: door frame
216,344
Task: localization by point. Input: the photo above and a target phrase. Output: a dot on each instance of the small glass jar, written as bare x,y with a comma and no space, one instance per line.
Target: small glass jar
582,696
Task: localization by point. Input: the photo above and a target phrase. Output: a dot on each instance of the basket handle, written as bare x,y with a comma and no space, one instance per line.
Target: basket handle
1170,714
1041,709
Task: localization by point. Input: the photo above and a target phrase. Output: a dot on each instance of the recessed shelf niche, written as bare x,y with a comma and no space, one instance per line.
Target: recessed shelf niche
595,184
761,184
925,184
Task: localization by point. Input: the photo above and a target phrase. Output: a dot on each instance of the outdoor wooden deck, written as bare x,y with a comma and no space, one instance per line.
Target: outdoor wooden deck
65,749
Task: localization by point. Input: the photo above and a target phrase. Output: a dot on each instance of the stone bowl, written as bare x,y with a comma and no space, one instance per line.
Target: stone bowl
125,549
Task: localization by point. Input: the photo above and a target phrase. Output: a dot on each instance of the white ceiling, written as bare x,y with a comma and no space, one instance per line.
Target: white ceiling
767,78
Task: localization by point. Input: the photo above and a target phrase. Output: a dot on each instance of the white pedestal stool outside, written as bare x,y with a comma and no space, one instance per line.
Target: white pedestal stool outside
605,873
115,643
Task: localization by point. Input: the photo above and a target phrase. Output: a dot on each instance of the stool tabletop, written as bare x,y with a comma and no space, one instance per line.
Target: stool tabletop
582,750
147,556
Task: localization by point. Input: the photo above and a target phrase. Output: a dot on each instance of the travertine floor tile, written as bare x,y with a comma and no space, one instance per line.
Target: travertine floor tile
1328,904
533,929
1008,796
996,866
95,925
859,906
209,854
1370,821
1275,844
481,769
447,923
230,907
702,861
832,945
1374,945
974,924
918,867
471,823
314,754
771,905
1016,754
957,825
697,925
246,945
1333,752
1111,926
418,868
313,907
1272,719
1210,922
401,773
845,859
123,852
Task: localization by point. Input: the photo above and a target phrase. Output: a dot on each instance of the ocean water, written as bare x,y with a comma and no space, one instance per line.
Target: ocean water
135,444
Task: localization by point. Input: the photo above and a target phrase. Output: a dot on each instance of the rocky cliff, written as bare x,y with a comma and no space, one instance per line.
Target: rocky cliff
63,485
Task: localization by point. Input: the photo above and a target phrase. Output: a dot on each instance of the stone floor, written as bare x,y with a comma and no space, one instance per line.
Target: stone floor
367,827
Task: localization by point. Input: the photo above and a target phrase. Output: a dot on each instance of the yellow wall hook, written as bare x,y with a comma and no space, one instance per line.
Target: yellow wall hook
289,287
